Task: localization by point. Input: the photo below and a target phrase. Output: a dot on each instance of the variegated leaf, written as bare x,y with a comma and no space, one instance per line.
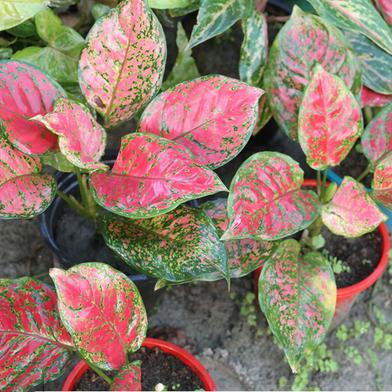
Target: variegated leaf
266,201
103,312
119,73
264,115
330,120
382,182
81,139
151,176
385,7
129,378
254,49
213,116
24,93
14,12
356,15
34,345
297,295
373,99
180,246
351,212
244,256
301,43
377,138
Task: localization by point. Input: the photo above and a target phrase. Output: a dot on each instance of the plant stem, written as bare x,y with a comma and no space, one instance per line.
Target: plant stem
100,372
73,203
318,183
364,173
87,199
324,185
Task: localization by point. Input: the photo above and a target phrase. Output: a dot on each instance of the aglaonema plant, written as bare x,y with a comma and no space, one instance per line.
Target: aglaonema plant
96,312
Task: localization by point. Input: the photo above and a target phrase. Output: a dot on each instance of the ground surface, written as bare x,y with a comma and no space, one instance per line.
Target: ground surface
203,318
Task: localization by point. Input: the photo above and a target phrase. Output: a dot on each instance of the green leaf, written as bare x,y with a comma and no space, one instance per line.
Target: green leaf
254,49
168,4
99,10
24,30
185,67
14,12
5,53
359,16
58,161
193,6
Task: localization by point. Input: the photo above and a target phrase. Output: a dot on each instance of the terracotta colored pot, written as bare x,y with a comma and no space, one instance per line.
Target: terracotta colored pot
346,296
169,348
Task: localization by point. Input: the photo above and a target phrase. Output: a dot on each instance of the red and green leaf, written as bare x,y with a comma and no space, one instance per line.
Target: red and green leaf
34,345
382,182
377,138
373,99
151,176
351,212
180,246
212,116
330,120
266,201
129,378
119,73
81,139
303,41
24,93
297,295
103,312
264,114
385,7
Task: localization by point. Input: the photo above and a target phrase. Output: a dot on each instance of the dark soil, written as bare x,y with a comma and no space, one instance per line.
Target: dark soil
157,367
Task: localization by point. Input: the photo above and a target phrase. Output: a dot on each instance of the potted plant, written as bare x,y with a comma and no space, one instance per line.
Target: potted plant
97,313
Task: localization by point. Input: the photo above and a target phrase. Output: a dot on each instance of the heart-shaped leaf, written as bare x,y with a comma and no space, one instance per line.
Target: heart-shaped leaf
24,193
330,120
180,246
382,182
301,43
213,116
351,212
81,139
151,176
377,138
34,345
119,73
297,295
359,16
266,201
14,12
24,93
373,99
103,312
385,7
244,256
129,378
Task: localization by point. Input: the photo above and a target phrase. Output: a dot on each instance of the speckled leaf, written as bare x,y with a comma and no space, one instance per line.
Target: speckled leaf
297,295
129,378
151,176
244,256
356,15
119,73
351,212
301,43
213,116
376,64
14,12
266,201
34,346
377,138
254,49
103,312
330,120
385,7
24,193
25,92
81,139
373,99
382,182
180,246
264,114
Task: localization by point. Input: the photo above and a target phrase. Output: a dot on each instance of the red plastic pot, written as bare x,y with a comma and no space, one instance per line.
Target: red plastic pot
169,348
346,296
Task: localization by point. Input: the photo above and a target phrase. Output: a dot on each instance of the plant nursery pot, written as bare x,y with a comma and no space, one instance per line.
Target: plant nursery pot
169,348
346,296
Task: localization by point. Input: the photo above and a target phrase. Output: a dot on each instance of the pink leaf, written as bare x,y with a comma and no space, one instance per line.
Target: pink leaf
266,201
81,139
151,176
382,182
119,73
102,311
351,212
129,378
385,8
373,99
330,120
24,93
213,116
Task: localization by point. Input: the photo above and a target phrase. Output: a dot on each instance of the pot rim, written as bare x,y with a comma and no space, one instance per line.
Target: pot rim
169,348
